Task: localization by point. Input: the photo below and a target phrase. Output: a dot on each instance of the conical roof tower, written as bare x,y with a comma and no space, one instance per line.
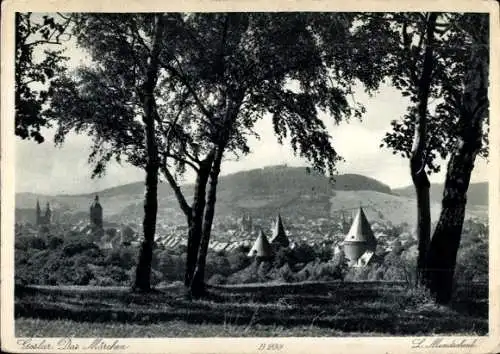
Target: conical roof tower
360,230
261,248
279,237
360,237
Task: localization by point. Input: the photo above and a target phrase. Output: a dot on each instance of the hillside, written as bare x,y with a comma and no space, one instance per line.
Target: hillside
476,195
260,193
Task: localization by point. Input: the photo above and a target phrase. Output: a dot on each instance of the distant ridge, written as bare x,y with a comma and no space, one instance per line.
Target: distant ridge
260,193
477,193
261,178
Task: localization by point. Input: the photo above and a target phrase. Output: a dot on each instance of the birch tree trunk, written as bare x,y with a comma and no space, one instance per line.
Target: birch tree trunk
196,220
198,282
473,106
442,254
143,271
417,157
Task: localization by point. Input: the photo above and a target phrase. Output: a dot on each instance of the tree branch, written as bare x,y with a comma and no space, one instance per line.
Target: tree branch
177,190
180,159
181,76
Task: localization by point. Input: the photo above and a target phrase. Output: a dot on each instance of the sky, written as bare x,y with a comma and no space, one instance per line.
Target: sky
46,169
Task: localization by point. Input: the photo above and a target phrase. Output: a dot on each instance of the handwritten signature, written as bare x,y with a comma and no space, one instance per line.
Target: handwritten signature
444,342
70,344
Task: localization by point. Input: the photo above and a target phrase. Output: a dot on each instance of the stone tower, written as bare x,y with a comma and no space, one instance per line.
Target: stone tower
48,215
360,238
96,213
38,213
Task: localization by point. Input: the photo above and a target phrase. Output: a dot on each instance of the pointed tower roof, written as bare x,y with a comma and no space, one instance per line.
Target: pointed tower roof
38,204
261,247
96,203
279,234
360,230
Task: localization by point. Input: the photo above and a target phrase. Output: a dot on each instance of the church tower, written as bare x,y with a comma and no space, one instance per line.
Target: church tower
96,213
38,213
48,215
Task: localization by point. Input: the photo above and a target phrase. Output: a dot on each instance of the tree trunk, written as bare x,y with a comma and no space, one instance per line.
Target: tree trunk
442,253
472,107
423,230
198,281
143,271
196,219
419,147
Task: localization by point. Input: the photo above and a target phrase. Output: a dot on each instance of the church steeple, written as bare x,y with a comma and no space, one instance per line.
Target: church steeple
48,214
96,213
38,213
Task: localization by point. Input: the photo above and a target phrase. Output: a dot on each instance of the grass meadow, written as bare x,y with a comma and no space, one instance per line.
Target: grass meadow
303,309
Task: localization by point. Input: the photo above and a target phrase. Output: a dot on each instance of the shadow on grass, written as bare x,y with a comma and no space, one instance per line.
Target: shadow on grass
349,307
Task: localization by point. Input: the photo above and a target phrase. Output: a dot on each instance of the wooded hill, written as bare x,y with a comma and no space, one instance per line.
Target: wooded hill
261,193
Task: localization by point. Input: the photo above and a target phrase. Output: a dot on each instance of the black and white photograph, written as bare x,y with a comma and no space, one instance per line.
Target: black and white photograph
266,173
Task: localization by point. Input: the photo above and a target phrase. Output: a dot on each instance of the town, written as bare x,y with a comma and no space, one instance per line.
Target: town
355,236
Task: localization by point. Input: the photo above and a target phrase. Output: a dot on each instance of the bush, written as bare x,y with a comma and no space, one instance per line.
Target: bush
217,264
55,242
121,257
171,266
238,260
217,279
472,262
30,242
304,253
75,247
246,275
284,256
283,274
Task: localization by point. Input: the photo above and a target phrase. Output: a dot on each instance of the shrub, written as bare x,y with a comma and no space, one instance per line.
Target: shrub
472,262
217,264
238,260
304,253
121,257
55,242
217,279
171,266
283,256
246,275
75,247
30,242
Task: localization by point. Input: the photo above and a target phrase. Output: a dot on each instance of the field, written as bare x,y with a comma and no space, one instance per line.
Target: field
304,309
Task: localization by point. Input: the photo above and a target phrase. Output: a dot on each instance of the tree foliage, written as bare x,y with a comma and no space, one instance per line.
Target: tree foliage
38,60
404,33
219,73
442,57
209,60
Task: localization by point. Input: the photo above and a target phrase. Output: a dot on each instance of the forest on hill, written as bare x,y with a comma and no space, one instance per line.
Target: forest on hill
258,192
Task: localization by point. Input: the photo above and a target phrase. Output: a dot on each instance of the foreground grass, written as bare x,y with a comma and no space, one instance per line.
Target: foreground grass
29,327
308,309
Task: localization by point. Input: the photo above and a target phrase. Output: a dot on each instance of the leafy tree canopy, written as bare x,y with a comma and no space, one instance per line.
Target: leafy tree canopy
220,73
403,50
38,60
